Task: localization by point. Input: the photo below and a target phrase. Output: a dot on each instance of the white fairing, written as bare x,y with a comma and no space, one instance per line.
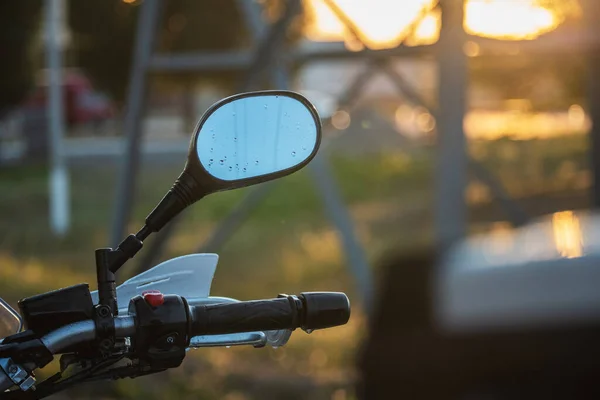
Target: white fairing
187,276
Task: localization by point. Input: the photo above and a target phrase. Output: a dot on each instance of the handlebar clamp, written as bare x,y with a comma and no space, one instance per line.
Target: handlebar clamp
105,328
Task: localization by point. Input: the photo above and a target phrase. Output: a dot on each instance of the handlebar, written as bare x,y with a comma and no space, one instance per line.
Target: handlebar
309,311
84,331
70,335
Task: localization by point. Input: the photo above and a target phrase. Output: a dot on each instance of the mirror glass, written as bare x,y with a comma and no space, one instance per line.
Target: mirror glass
10,321
256,135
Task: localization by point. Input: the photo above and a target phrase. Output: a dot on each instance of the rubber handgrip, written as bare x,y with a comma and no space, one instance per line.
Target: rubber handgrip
245,316
324,309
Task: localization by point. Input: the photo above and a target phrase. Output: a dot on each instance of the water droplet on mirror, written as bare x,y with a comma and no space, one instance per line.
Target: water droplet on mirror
256,162
303,148
266,106
237,166
225,157
213,135
222,162
244,169
211,160
235,139
293,154
211,149
230,168
277,96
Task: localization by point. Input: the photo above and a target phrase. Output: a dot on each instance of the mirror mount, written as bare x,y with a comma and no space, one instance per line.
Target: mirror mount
108,262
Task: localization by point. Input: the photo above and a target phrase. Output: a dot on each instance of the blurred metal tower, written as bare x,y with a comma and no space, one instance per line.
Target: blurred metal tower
270,57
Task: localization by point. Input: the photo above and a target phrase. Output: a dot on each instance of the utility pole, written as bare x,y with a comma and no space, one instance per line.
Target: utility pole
59,176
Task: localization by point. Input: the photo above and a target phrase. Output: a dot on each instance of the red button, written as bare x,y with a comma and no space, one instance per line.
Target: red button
153,297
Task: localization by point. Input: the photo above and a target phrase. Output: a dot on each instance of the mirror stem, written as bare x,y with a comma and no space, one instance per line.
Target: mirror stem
143,233
184,192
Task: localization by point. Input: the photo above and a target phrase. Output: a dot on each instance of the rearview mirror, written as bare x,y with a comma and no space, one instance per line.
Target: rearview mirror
255,137
240,141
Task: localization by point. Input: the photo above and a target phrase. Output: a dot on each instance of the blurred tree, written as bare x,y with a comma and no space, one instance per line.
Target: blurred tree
102,40
19,25
104,31
104,34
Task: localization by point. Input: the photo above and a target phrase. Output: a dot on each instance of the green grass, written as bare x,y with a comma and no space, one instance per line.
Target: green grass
287,245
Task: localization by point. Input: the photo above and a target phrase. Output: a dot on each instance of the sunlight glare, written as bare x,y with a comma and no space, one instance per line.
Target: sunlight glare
509,19
387,23
568,237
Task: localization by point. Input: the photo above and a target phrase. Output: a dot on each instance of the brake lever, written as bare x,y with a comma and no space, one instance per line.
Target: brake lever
279,338
256,339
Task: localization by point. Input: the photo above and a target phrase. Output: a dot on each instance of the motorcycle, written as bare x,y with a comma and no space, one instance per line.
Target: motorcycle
147,324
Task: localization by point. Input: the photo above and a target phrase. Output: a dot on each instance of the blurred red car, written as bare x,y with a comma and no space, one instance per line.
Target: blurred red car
82,103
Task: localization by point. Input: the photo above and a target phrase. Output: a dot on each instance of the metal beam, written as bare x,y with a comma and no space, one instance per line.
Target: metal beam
548,45
199,62
253,15
451,167
144,44
559,42
271,45
563,41
337,51
252,11
592,21
242,59
516,214
342,221
234,219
